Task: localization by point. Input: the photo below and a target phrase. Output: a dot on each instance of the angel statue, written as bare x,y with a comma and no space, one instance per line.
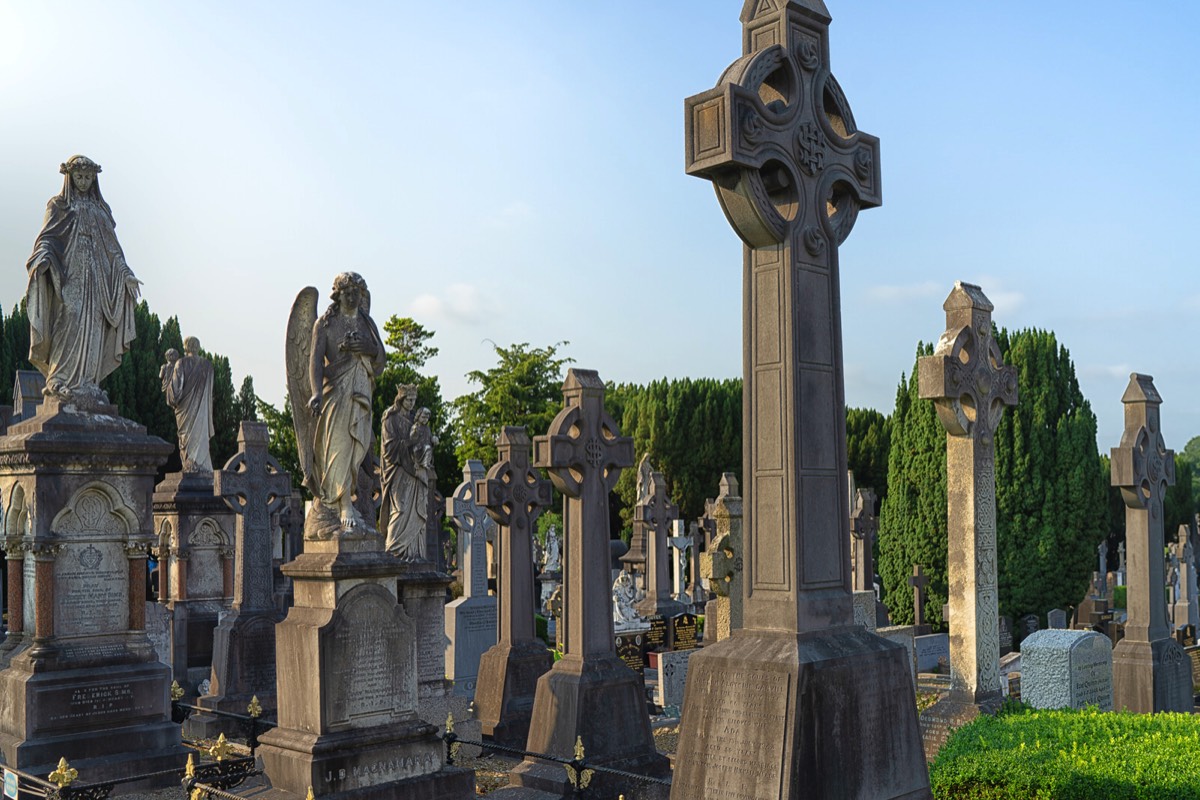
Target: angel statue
81,295
332,363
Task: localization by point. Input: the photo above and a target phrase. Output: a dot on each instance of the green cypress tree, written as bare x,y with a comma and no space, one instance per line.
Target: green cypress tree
912,523
868,433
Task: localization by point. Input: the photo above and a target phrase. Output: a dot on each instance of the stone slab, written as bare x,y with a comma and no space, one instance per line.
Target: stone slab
672,669
932,649
905,636
1149,677
1067,669
470,631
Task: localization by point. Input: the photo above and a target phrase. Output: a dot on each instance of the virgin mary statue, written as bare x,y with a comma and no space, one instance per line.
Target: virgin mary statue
81,294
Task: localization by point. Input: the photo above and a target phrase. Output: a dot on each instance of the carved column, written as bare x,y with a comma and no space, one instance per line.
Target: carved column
14,550
136,553
227,570
43,618
179,566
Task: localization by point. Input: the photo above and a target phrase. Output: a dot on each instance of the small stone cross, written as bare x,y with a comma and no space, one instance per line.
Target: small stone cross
657,513
863,527
1143,468
918,581
680,542
584,453
254,486
514,495
472,522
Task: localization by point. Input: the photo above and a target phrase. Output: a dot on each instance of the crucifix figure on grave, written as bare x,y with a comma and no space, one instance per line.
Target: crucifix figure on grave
589,693
679,542
1150,670
970,385
918,582
514,495
791,170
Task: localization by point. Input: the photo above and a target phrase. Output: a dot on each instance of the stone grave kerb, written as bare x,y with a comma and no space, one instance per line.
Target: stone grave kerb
1143,468
791,170
970,385
472,521
514,496
254,486
657,512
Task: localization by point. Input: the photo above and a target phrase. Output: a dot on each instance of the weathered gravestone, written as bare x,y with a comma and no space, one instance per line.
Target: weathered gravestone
1150,671
932,650
514,495
672,669
1067,669
1005,628
589,694
1056,619
970,385
1029,625
799,702
723,563
470,619
255,487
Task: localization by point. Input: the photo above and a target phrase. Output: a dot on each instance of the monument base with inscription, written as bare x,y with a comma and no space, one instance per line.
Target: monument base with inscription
779,716
1149,677
109,723
602,702
347,685
948,713
508,676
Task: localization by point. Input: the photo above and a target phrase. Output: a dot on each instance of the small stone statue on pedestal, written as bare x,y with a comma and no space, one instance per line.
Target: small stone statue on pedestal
188,384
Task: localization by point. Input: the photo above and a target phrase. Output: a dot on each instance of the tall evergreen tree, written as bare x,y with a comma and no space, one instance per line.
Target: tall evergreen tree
247,401
1050,496
868,434
912,523
1050,492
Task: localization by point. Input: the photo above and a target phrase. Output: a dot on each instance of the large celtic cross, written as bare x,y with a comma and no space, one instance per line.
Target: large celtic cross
970,385
791,170
584,454
514,495
472,522
254,486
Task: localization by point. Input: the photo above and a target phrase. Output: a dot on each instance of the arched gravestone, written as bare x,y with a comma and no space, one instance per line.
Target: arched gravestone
799,702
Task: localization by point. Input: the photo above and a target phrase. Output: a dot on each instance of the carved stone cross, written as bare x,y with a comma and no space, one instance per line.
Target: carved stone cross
514,495
584,454
791,171
918,582
863,527
679,542
1143,468
254,486
656,513
472,522
969,384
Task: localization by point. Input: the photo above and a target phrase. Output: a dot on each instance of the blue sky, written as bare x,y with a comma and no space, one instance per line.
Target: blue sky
513,172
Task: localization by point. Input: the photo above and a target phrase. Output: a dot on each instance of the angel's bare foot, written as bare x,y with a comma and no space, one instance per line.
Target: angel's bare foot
349,518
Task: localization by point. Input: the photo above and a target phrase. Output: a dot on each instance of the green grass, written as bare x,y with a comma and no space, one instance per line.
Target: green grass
1027,753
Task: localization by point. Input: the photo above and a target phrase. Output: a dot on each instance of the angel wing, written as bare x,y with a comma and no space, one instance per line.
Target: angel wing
298,352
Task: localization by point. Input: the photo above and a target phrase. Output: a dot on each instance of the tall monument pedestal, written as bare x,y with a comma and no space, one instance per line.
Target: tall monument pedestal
508,676
821,714
347,686
84,682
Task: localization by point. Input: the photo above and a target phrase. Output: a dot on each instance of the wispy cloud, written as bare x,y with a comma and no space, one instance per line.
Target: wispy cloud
459,302
1109,371
901,294
513,215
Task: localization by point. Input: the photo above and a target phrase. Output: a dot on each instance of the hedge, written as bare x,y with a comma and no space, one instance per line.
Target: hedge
1024,753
